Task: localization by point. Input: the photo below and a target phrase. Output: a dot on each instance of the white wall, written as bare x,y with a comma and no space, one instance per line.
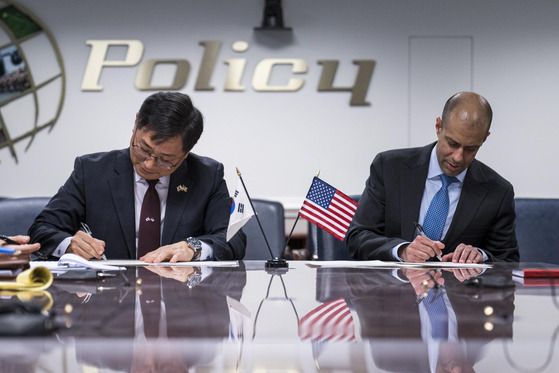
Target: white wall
424,50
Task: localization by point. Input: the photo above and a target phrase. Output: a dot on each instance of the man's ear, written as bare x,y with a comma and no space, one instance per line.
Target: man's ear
438,125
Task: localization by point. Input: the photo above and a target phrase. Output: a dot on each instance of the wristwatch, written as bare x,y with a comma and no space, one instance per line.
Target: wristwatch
195,245
195,278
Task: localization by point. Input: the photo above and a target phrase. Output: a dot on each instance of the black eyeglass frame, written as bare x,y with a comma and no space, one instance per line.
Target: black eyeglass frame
142,153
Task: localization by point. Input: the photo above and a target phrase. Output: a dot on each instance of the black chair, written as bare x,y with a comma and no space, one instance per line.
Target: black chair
537,229
272,218
17,214
326,246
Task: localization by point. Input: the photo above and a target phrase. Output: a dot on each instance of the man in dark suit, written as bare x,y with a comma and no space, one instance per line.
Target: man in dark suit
479,225
106,192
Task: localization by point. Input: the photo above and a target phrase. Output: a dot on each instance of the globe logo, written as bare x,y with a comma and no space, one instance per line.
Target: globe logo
32,79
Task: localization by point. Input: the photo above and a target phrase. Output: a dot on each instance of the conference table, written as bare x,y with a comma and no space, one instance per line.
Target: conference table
312,316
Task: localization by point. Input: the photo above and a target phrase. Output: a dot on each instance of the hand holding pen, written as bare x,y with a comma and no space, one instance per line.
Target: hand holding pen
16,245
421,248
422,233
86,229
85,245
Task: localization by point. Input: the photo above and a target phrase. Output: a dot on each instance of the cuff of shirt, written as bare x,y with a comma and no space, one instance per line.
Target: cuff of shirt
395,251
485,257
207,251
62,247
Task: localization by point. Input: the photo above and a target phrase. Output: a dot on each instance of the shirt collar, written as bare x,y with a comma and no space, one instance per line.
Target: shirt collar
435,168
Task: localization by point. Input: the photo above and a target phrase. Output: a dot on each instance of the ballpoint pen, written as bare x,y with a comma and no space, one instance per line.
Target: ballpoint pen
8,240
86,229
421,232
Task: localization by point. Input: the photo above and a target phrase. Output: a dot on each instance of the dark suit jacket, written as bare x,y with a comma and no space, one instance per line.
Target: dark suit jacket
100,192
484,216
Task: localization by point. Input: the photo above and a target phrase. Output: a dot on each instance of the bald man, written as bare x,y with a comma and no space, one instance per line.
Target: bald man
479,224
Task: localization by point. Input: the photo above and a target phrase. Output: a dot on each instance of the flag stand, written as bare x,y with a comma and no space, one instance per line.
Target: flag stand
274,262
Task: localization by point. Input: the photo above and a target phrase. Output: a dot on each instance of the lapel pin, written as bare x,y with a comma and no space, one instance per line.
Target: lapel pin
182,188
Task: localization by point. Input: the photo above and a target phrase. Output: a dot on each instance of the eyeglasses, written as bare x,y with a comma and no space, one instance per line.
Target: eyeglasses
144,154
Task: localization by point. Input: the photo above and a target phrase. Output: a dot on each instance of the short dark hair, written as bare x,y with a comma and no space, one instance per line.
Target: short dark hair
471,98
169,114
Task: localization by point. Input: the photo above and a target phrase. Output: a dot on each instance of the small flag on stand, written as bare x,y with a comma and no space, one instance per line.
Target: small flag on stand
328,208
241,211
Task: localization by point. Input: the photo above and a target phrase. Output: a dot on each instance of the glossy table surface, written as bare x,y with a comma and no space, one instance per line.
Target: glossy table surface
302,319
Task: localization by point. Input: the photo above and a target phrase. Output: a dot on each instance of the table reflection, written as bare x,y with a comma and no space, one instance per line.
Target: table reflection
301,319
395,312
110,308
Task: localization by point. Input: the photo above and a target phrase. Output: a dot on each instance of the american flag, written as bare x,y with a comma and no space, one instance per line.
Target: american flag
331,321
328,208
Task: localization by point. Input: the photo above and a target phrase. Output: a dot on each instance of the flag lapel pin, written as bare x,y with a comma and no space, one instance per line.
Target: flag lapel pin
182,188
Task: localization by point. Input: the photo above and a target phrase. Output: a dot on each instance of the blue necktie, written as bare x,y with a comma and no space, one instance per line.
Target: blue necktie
435,217
438,313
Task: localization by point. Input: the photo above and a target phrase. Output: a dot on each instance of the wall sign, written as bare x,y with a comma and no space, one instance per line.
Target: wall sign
236,69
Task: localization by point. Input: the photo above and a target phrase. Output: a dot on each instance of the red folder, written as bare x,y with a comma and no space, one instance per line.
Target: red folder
541,273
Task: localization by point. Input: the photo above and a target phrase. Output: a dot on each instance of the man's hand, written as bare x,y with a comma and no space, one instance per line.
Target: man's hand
423,280
463,274
181,274
420,250
464,254
87,247
177,252
24,247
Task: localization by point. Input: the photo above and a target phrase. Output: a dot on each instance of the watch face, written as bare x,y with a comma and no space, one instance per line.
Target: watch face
194,280
195,243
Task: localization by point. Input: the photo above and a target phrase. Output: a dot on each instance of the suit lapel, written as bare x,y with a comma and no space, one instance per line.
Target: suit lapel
121,185
471,198
180,186
412,185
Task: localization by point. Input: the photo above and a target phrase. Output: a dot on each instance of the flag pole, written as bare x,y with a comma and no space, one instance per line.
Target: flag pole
296,220
275,262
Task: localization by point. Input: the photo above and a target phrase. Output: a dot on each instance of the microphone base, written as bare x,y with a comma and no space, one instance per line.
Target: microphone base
277,263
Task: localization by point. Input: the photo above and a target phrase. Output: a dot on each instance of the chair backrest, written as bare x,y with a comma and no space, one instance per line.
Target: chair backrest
272,218
537,229
327,246
17,214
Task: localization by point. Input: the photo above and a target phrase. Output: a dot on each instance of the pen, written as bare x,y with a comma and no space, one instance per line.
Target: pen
421,232
86,229
7,250
9,240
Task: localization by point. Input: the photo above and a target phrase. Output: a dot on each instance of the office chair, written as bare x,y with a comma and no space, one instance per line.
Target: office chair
271,215
326,246
17,214
537,229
